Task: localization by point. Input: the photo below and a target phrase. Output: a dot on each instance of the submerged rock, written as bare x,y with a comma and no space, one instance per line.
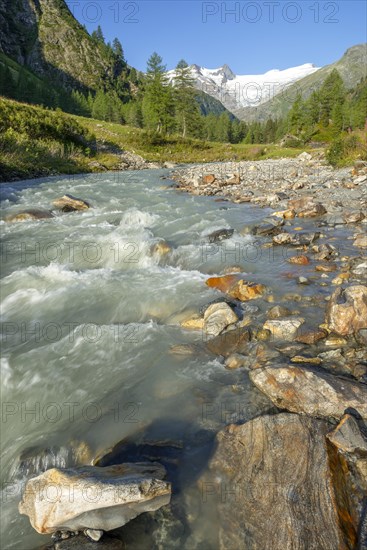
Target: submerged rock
310,391
347,310
69,203
220,235
82,542
161,248
31,214
89,497
271,483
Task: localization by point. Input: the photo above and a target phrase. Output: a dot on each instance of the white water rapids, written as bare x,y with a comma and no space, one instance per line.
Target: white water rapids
89,318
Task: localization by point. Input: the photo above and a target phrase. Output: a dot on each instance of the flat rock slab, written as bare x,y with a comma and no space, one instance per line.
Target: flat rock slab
274,487
311,391
90,497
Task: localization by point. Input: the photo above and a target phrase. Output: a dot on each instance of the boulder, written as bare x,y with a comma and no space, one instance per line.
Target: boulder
277,312
353,217
347,310
220,235
284,329
217,317
69,203
161,248
193,323
348,437
89,497
360,241
31,214
244,290
282,238
311,336
306,207
236,287
309,391
229,342
271,485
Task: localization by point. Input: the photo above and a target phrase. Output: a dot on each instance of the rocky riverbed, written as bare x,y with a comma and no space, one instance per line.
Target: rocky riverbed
285,184
286,470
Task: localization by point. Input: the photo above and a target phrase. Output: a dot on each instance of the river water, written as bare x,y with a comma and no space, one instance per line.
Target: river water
91,324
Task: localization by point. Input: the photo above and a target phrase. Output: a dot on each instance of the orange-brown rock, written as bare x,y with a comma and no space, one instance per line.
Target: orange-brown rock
347,310
223,283
300,259
326,268
244,291
311,336
236,287
209,179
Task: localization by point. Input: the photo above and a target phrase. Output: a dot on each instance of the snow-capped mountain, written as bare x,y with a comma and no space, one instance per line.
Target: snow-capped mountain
238,91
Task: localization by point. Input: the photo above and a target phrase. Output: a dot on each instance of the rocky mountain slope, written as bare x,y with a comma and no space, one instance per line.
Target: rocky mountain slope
44,36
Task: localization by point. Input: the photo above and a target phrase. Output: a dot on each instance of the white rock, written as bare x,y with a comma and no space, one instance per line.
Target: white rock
304,157
94,498
284,329
217,317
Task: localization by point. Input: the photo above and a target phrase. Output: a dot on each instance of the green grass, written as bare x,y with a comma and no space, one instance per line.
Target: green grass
36,142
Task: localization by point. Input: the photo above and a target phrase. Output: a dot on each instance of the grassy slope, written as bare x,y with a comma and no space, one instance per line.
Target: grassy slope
36,142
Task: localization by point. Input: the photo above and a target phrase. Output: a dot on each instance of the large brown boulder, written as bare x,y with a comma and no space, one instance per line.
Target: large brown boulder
310,391
272,487
347,310
69,203
31,214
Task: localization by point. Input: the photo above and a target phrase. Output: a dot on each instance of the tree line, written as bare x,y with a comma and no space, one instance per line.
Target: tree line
163,107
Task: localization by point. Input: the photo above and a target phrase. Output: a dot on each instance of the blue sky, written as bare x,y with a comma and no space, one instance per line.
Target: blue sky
250,36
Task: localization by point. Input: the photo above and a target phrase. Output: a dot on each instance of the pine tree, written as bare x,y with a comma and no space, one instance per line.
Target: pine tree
98,35
158,104
187,110
117,50
331,93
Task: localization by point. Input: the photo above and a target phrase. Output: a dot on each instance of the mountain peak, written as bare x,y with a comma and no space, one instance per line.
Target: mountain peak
227,72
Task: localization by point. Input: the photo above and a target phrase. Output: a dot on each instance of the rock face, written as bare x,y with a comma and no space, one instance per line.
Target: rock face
347,310
218,317
347,452
93,498
31,214
310,391
271,481
68,203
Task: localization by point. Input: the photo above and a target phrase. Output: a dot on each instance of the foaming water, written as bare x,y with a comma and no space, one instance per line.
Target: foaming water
91,313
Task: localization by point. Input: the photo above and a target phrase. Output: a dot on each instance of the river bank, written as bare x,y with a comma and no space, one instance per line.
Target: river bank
242,343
